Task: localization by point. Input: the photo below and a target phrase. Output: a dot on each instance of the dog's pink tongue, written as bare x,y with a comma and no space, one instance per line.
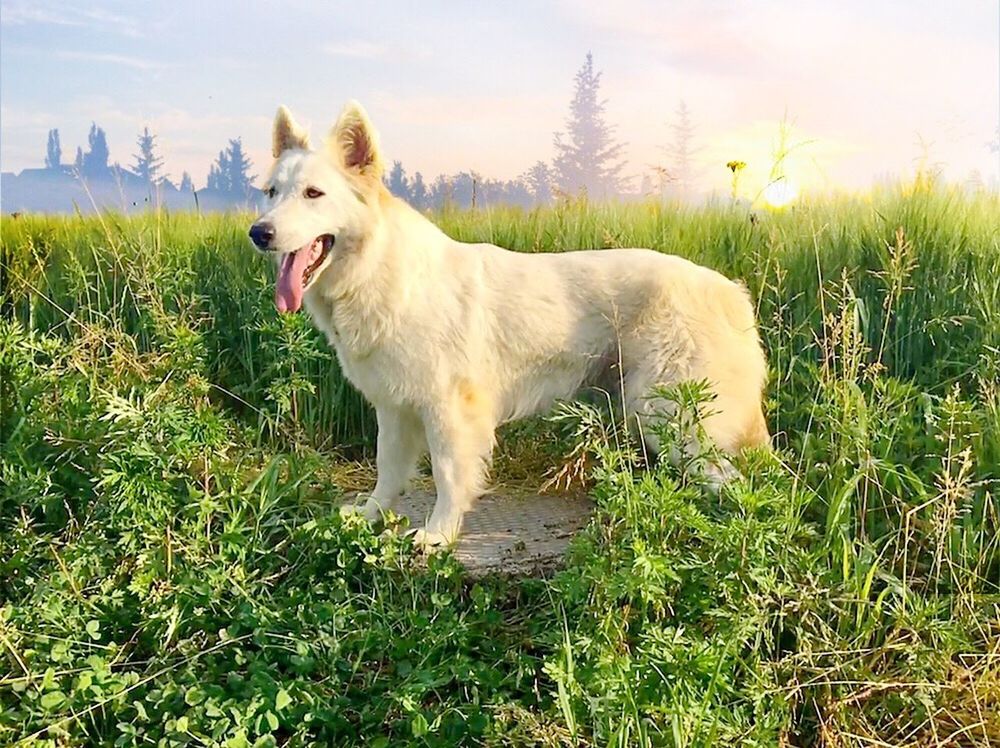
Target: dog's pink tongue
288,291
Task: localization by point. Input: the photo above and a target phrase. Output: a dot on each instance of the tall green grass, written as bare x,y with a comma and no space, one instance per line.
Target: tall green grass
173,570
123,270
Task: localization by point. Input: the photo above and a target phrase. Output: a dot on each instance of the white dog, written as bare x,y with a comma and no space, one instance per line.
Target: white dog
449,340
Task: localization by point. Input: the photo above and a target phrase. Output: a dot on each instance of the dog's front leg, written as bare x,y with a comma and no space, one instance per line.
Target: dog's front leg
399,447
461,442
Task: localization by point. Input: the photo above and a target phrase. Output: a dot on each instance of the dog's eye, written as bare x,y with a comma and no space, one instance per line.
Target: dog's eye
312,193
271,192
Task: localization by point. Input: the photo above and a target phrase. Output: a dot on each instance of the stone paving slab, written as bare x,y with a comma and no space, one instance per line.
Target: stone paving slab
509,533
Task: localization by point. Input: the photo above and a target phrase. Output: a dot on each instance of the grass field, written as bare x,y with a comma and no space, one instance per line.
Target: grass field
173,570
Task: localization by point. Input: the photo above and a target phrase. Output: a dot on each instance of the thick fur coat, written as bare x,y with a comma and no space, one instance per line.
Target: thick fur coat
449,340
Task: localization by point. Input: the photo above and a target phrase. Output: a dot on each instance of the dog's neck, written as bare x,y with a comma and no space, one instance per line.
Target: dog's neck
363,290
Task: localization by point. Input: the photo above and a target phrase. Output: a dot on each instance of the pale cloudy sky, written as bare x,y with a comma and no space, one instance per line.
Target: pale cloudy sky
483,85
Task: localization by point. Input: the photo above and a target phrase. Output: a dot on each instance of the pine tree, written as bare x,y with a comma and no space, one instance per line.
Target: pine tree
538,180
238,178
78,161
231,171
218,173
147,163
588,158
95,160
53,151
186,184
397,183
681,151
418,192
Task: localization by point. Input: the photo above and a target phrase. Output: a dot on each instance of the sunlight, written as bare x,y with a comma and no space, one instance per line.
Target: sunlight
780,192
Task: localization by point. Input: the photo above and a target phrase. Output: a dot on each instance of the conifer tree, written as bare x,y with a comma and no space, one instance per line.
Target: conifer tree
53,151
147,164
588,159
95,160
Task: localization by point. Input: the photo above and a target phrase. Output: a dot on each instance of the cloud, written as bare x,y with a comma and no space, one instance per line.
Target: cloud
364,49
136,63
21,14
858,84
120,24
27,119
358,49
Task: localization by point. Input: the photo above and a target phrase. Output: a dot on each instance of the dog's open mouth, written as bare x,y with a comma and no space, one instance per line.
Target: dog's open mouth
297,270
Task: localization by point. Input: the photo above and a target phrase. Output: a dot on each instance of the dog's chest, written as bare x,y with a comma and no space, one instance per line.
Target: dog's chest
380,376
366,352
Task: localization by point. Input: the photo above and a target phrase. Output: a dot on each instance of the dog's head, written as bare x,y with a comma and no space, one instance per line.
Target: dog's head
318,201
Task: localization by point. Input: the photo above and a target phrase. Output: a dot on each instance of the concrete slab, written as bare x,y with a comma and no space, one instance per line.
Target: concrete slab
510,533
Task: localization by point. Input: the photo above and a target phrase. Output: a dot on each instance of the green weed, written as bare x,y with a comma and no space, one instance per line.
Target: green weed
173,569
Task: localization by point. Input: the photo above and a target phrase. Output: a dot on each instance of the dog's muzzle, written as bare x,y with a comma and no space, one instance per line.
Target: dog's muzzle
262,234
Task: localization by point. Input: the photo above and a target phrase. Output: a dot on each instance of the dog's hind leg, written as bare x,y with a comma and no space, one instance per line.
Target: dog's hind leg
400,445
461,440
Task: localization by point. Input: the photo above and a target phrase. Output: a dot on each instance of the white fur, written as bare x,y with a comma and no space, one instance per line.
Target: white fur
448,340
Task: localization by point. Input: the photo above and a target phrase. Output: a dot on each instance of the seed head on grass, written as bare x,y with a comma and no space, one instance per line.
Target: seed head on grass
172,567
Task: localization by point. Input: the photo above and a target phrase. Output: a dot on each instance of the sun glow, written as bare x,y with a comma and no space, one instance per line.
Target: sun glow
780,193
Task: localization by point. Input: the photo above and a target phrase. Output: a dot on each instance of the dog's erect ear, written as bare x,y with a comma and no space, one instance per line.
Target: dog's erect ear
287,133
355,141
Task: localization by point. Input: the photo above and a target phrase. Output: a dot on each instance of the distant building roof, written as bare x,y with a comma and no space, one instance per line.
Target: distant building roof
45,173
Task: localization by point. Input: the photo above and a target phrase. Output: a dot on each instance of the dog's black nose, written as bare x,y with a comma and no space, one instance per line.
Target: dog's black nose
262,234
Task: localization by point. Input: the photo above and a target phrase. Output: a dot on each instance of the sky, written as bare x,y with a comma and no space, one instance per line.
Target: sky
864,89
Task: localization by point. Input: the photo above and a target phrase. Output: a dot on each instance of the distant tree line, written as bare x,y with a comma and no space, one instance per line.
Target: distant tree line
469,189
228,175
588,161
231,170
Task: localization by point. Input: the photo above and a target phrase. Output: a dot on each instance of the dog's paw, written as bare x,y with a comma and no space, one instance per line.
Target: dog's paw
369,511
429,541
719,474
